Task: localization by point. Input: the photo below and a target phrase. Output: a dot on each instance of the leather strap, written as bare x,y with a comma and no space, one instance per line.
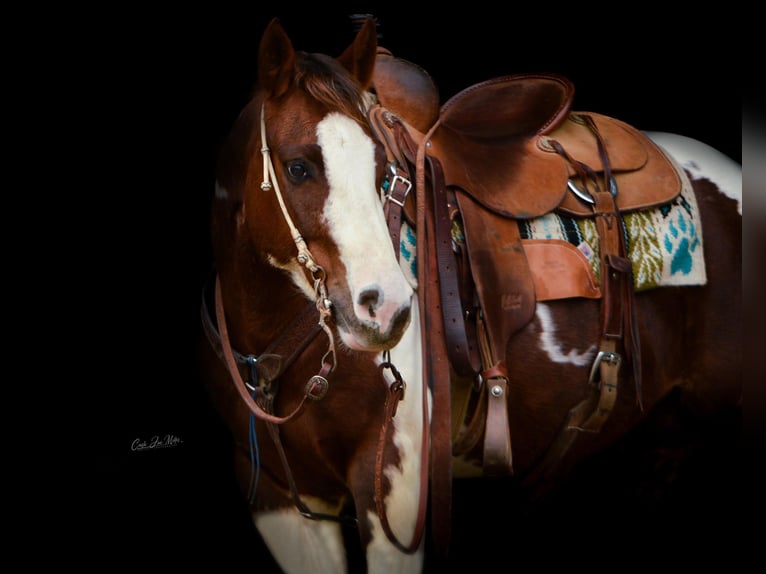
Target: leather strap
616,304
497,456
464,357
394,395
608,365
398,180
397,144
436,367
279,354
312,389
304,510
619,325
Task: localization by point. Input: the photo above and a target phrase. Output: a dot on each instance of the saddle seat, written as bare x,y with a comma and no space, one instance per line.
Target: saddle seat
493,140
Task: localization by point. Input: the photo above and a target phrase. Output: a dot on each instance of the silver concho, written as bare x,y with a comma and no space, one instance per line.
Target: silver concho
316,387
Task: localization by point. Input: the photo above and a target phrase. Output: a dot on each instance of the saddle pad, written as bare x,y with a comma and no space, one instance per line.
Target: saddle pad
664,243
407,254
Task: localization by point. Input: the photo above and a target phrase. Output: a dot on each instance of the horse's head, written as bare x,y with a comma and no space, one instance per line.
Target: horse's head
317,221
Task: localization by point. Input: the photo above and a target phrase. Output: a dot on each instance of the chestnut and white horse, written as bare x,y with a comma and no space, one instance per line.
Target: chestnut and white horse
314,349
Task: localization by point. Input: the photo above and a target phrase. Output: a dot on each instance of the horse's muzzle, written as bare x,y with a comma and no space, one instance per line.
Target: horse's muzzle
368,334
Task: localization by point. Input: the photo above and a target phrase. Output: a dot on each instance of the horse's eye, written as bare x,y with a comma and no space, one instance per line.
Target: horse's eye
297,171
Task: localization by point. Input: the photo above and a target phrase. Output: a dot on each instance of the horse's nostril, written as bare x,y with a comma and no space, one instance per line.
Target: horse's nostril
369,298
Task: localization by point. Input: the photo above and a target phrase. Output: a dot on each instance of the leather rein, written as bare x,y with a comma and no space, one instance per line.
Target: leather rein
317,385
271,364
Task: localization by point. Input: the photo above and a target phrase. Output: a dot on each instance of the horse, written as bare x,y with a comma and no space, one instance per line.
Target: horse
329,349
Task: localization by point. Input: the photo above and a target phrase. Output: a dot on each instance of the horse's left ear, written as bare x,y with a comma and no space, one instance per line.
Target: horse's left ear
276,60
359,57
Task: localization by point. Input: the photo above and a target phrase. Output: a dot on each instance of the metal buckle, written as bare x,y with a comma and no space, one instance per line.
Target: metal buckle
608,357
580,193
391,187
585,196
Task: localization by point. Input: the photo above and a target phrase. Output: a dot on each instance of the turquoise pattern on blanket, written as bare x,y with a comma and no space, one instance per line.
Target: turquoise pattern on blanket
407,250
664,243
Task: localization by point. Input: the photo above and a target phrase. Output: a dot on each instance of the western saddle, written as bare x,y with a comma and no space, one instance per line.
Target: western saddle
504,150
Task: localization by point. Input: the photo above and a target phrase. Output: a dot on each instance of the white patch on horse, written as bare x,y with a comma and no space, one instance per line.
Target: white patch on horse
402,501
703,161
298,274
356,221
301,545
550,345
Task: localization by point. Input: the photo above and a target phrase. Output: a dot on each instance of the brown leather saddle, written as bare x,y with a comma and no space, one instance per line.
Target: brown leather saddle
501,151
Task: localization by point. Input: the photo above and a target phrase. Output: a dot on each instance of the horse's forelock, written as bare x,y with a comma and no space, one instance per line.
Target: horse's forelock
330,84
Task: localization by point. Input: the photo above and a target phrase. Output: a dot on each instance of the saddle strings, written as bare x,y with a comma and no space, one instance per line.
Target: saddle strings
323,302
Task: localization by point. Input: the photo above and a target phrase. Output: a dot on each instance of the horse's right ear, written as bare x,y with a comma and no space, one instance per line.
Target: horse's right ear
359,57
276,60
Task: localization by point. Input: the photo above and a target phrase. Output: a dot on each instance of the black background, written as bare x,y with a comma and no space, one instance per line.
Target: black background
159,92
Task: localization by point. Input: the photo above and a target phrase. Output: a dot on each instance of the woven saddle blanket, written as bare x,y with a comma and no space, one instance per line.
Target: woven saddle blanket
664,243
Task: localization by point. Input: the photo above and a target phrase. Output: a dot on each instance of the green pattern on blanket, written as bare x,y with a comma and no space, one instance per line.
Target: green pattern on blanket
664,243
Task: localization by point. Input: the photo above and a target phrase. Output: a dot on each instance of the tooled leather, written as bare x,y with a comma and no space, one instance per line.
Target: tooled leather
559,270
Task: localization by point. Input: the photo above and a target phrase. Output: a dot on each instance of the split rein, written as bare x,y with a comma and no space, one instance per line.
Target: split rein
316,387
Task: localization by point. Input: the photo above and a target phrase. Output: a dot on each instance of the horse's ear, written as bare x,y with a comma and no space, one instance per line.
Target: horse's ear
359,57
276,60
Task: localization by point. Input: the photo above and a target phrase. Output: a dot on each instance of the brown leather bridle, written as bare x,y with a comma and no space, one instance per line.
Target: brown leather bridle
306,328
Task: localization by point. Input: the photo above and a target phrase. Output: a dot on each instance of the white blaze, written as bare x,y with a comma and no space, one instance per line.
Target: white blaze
356,219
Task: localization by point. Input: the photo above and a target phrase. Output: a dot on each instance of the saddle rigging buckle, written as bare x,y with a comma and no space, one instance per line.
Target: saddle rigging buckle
388,187
581,194
610,358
